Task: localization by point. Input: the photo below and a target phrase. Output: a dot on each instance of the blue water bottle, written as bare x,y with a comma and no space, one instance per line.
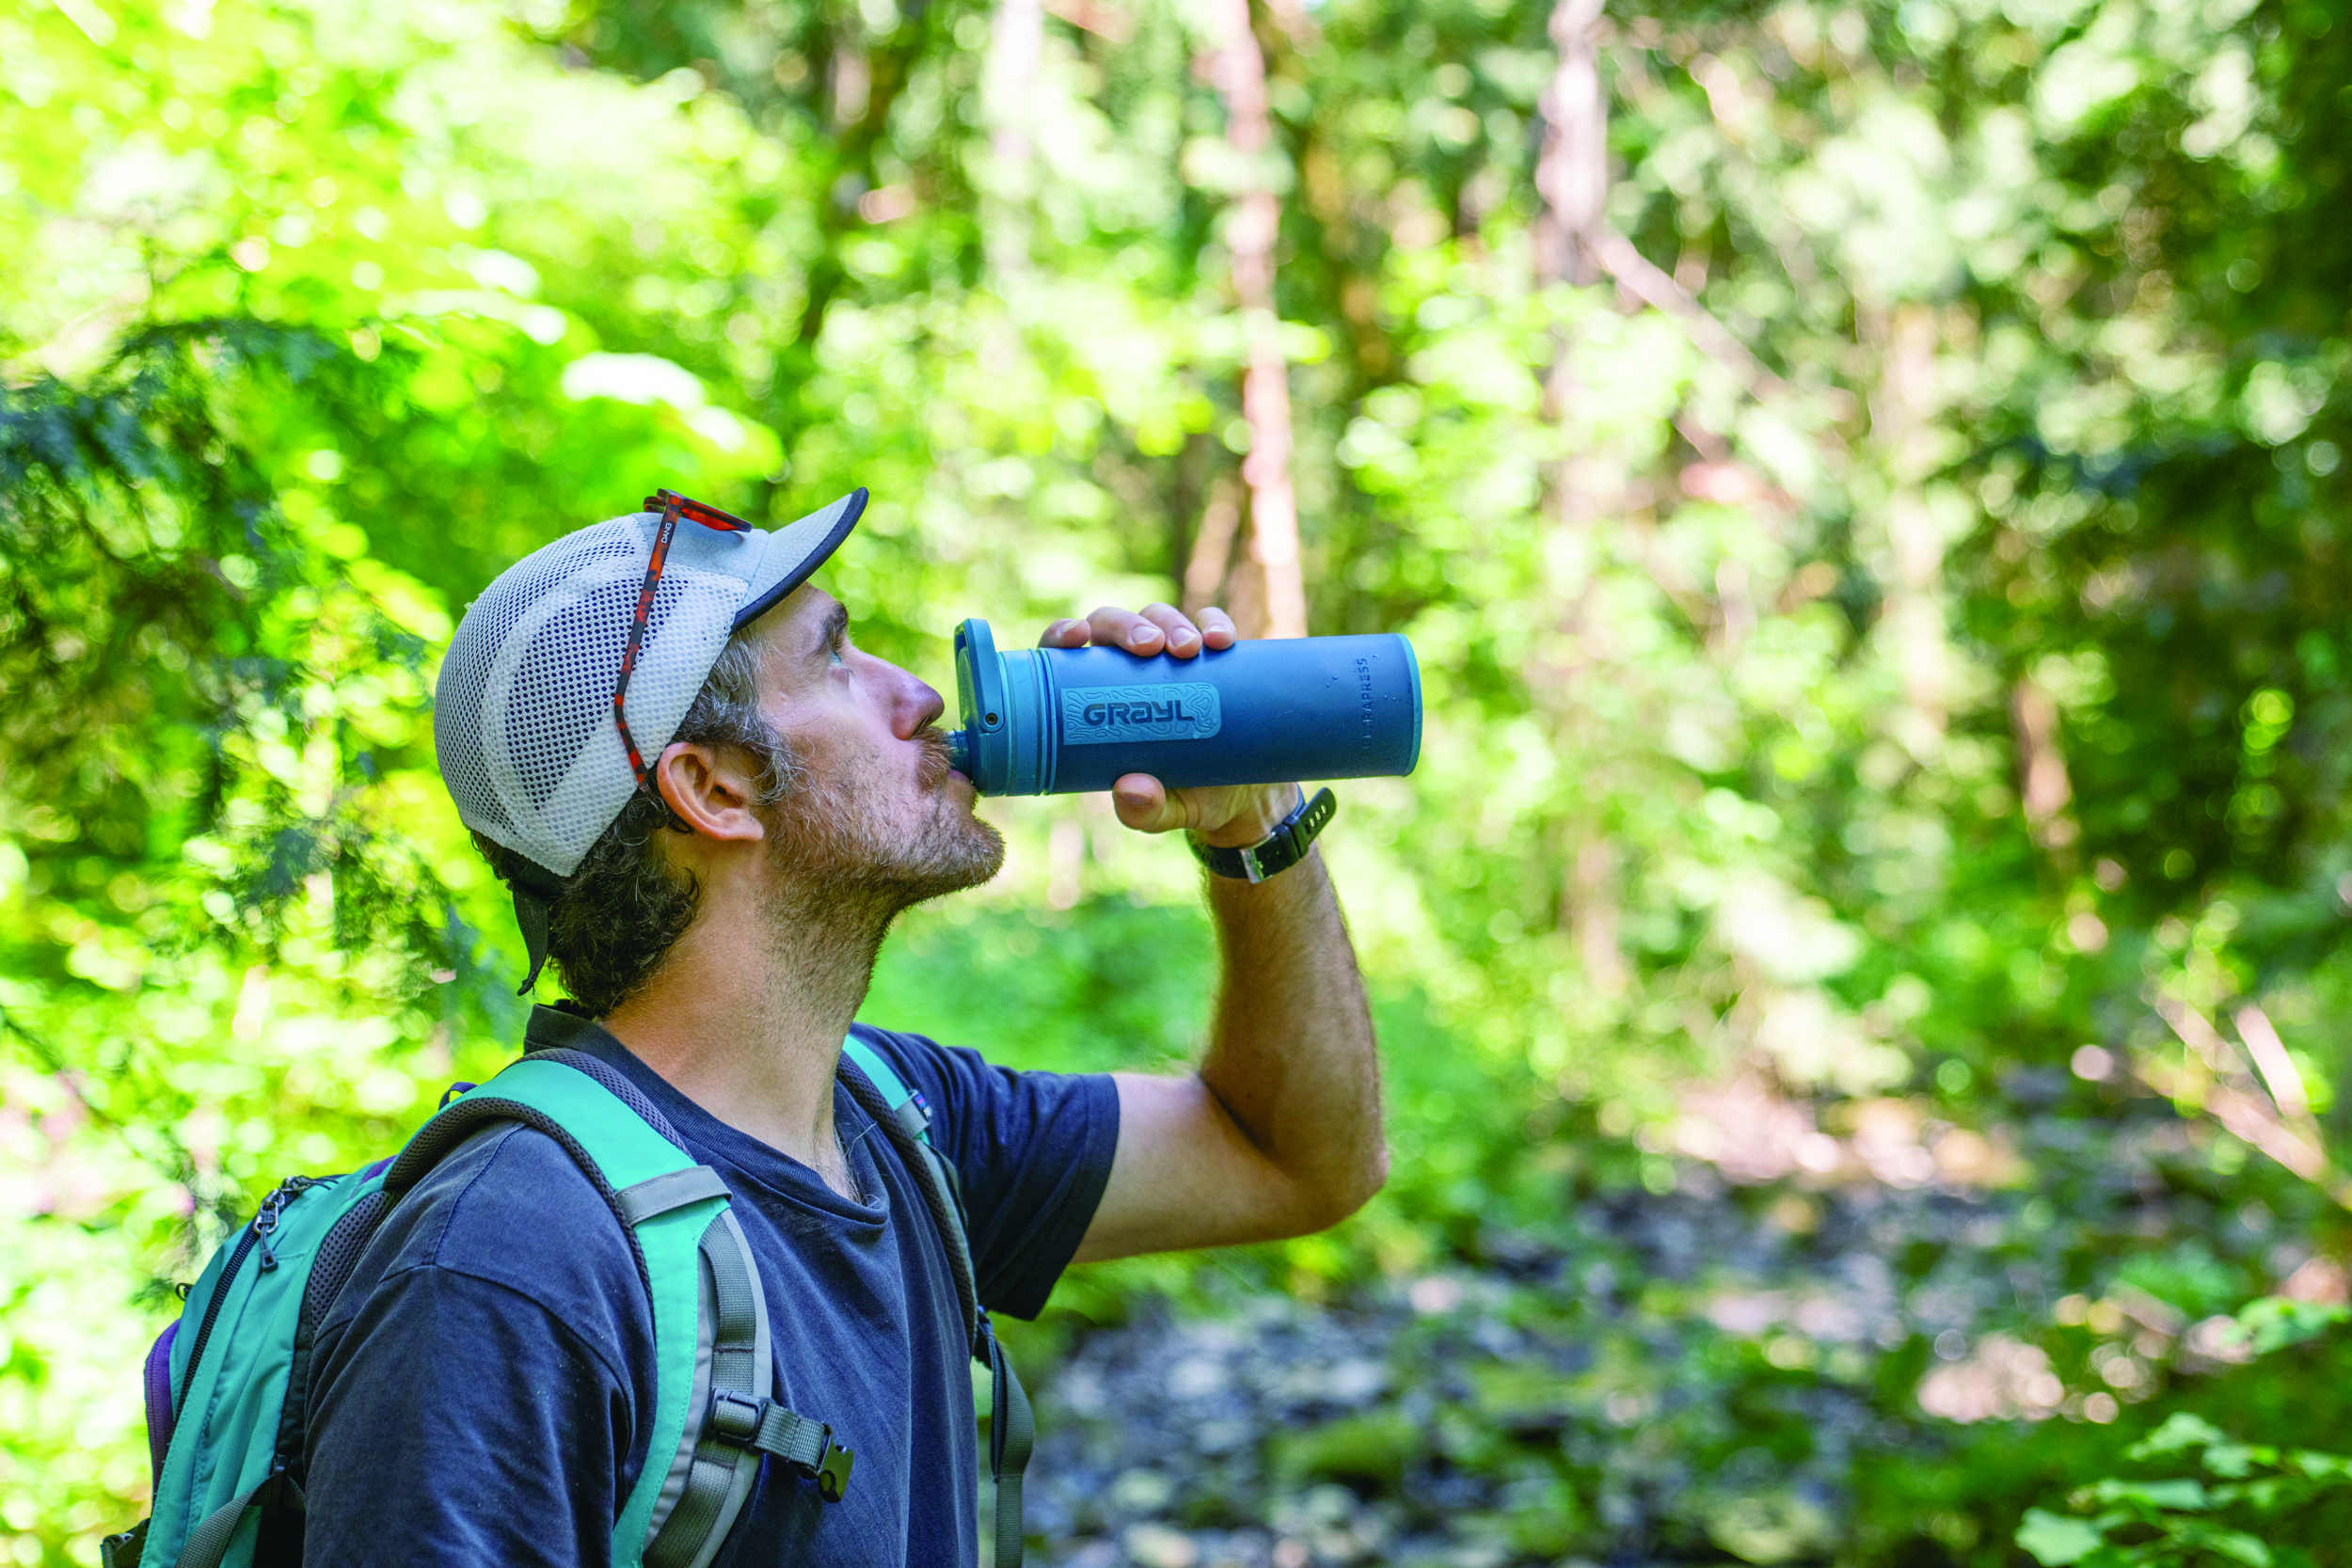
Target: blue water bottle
1065,720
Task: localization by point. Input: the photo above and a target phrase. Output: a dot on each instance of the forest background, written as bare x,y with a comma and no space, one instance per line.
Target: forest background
1862,963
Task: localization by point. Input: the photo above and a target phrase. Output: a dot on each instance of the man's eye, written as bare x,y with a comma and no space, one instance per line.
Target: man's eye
840,650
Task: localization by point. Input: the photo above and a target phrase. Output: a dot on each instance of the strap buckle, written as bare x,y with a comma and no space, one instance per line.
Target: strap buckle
802,1446
832,1470
732,1418
124,1550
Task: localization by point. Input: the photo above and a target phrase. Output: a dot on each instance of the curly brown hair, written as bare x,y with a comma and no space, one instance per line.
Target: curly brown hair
626,906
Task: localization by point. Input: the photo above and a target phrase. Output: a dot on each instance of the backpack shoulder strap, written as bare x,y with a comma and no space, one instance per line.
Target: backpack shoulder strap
713,1413
884,1095
552,1093
909,1110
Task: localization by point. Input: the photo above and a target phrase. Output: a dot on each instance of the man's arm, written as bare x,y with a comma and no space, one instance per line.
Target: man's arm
1278,1132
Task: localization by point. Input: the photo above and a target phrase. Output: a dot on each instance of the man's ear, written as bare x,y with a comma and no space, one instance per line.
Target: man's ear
710,789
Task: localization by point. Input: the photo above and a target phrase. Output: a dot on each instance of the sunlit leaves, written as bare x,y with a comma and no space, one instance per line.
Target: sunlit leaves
2034,381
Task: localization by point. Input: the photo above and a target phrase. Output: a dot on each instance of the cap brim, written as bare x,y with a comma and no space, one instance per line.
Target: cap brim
795,551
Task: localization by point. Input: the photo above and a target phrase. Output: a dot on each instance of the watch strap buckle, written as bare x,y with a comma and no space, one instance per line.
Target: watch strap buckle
1280,849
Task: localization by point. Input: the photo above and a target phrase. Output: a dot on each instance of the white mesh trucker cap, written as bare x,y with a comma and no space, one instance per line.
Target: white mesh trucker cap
523,711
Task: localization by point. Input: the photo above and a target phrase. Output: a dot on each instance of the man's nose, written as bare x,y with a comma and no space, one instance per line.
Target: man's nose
916,705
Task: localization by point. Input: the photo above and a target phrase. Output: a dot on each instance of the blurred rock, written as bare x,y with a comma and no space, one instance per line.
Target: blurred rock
1156,1546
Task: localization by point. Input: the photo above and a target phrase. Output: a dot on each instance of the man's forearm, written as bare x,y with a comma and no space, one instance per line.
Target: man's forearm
1290,1051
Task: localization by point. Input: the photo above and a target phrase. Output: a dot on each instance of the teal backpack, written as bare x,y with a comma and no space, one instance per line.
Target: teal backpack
227,1385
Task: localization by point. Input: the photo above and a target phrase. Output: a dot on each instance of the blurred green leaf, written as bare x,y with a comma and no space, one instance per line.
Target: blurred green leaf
2055,1541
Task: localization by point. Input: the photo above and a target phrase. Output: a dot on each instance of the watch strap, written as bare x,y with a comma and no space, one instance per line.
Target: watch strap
1276,853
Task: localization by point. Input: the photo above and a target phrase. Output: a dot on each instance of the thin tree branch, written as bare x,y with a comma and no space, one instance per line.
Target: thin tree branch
1656,288
2241,1114
2272,1061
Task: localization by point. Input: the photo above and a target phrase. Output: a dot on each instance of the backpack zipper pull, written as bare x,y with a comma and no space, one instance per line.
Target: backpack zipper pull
265,1221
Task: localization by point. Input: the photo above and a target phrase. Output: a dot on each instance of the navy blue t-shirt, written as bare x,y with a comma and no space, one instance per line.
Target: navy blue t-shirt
486,1381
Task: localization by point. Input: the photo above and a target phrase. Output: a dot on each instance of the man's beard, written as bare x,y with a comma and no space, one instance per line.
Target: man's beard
840,851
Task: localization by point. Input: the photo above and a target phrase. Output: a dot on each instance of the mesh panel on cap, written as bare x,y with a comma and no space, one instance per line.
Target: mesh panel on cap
522,717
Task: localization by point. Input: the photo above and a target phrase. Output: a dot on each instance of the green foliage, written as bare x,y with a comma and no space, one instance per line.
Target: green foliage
2253,1504
168,627
1829,738
2275,1323
2257,1505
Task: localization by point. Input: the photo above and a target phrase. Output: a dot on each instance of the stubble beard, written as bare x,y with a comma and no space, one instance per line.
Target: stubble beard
845,859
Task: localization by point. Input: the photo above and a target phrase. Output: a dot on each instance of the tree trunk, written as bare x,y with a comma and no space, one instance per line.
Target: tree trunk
1580,486
2044,789
1572,178
1016,36
1277,606
1903,415
1212,547
1572,170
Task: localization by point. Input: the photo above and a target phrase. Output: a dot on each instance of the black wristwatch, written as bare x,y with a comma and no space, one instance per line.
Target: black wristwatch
1280,849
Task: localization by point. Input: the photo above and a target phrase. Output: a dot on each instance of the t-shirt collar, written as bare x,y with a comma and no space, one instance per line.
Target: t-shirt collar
566,1026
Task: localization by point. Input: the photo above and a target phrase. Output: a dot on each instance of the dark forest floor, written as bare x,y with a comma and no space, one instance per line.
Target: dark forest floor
1863,1373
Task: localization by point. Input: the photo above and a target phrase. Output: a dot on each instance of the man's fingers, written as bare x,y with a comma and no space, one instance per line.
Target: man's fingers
1145,806
1151,631
1183,638
1114,628
1156,629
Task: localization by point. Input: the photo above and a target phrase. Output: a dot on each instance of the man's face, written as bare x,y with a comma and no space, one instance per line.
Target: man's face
876,820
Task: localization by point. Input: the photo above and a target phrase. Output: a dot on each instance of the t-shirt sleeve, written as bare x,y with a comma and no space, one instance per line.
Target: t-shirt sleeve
474,1403
1033,1151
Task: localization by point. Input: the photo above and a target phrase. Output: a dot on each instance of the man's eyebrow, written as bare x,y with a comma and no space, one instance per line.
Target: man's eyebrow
837,625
